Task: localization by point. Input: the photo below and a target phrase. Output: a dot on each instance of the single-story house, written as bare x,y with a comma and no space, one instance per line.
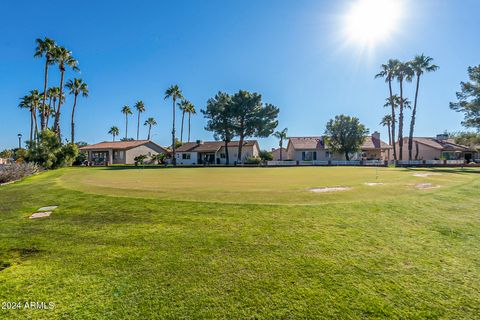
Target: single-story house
213,152
121,152
315,148
276,154
437,148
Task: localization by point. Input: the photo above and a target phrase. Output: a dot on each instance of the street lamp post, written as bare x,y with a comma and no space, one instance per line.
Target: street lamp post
19,141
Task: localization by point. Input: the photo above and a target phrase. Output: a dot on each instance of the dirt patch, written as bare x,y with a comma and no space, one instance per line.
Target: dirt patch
329,189
426,186
373,184
424,175
37,215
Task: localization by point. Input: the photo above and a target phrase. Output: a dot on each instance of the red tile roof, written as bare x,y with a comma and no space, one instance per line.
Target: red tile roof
211,146
445,145
123,145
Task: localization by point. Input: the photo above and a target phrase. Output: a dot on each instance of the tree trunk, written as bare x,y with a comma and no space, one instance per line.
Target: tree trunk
412,122
347,157
389,135
227,158
73,118
281,146
189,127
47,116
31,126
126,126
35,123
138,125
400,124
56,125
240,143
181,132
393,120
174,159
45,82
149,129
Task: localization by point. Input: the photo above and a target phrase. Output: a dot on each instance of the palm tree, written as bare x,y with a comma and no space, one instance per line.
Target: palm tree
387,122
45,47
282,135
126,111
388,72
185,106
140,108
175,93
63,58
150,122
419,65
114,131
76,87
403,72
26,103
190,110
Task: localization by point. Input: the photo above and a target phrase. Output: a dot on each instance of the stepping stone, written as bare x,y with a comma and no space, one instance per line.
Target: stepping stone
49,208
40,215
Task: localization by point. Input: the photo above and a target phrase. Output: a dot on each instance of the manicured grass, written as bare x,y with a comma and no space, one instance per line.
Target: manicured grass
248,243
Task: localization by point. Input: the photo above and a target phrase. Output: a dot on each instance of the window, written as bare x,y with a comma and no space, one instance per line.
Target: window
222,155
328,154
309,155
186,156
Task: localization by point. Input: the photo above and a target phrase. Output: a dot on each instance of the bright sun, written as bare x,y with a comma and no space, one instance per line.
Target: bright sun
371,21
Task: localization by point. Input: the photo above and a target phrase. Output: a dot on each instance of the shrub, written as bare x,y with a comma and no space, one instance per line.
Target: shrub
140,159
266,155
16,171
253,160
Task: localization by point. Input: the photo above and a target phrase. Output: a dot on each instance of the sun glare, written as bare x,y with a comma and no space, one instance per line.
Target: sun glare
369,22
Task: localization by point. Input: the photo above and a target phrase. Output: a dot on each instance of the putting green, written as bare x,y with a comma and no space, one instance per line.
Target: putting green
299,185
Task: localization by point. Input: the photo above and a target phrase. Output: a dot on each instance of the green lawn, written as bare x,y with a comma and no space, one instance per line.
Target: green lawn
238,243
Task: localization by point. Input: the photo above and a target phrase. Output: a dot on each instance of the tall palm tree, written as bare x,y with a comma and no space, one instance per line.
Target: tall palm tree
114,131
190,110
420,64
387,122
63,58
403,72
26,103
140,108
150,122
184,106
282,135
126,111
388,72
45,47
76,87
175,93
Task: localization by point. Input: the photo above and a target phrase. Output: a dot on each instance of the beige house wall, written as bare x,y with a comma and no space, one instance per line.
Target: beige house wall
148,149
424,152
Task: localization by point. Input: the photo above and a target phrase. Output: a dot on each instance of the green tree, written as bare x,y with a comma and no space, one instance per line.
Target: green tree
469,99
220,114
50,153
403,72
126,111
470,139
281,135
63,58
252,117
419,65
140,106
150,122
265,155
175,93
114,131
45,47
388,72
345,134
76,87
387,122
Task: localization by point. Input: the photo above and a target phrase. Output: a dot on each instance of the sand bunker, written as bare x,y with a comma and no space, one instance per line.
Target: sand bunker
424,175
329,189
425,186
373,184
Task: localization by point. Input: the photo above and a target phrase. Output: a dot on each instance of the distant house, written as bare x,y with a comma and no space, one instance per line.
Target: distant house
315,148
121,152
437,148
213,152
276,154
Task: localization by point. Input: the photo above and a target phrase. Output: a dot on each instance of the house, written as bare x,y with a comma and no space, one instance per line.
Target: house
213,152
121,152
276,154
315,148
437,148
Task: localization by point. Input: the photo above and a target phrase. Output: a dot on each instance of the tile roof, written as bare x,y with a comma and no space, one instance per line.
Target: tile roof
115,145
445,145
211,146
374,143
306,142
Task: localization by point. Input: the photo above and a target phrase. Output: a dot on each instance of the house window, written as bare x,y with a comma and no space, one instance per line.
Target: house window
186,156
309,155
222,155
328,154
118,155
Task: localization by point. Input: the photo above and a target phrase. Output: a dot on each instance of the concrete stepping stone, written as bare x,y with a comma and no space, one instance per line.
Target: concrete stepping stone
48,208
41,214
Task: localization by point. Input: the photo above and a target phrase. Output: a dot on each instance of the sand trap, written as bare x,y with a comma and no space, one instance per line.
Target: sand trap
425,186
329,189
49,208
373,184
424,175
40,215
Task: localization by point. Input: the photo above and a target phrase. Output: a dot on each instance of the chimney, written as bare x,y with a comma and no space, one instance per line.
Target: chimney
442,136
199,142
376,135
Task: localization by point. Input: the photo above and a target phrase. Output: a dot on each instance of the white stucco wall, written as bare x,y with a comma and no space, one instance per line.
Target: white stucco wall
193,158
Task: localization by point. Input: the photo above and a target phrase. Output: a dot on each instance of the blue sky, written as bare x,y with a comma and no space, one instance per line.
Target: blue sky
292,52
